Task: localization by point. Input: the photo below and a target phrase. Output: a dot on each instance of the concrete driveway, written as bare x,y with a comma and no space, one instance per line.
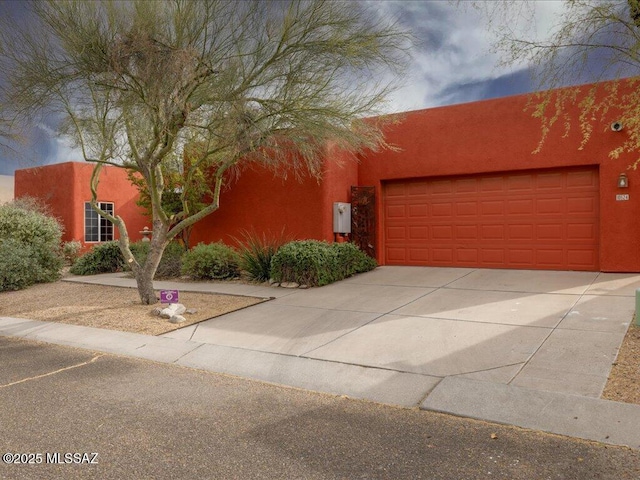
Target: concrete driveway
526,348
556,331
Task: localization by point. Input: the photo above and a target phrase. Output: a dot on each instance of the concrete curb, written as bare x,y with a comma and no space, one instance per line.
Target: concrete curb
367,383
373,384
572,415
564,414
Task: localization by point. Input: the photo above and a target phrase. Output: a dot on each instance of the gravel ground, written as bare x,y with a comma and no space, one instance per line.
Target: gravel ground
113,308
624,380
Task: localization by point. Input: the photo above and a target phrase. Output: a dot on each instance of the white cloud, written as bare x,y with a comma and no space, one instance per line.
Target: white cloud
453,49
60,148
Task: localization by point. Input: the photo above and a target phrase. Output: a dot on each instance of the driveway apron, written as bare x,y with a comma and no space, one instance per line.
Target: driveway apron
548,330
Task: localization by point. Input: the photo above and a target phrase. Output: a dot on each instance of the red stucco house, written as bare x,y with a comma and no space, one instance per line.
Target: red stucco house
462,189
65,188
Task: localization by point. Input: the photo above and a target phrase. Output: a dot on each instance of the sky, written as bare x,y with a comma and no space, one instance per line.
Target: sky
452,59
451,63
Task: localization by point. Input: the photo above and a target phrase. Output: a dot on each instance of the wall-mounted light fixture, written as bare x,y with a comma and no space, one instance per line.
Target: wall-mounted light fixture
623,181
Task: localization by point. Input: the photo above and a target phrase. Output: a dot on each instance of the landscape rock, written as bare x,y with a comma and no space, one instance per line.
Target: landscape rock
272,281
289,285
173,309
177,319
156,311
191,311
304,286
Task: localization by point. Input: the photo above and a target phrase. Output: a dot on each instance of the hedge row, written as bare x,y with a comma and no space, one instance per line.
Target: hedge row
107,258
315,263
308,262
31,252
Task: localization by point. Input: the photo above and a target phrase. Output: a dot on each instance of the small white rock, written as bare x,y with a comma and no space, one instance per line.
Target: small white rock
191,311
289,285
173,309
177,319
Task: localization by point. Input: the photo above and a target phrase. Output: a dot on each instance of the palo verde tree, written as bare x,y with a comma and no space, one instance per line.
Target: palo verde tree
174,199
591,40
138,83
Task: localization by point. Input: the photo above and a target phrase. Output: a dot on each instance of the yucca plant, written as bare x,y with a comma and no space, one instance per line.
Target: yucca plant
256,252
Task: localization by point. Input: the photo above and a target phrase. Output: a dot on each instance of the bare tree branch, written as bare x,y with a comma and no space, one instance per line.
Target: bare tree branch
592,40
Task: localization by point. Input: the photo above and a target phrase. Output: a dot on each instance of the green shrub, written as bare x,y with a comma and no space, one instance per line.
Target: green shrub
19,266
256,253
71,251
25,223
211,261
170,265
33,204
352,260
308,262
315,263
102,258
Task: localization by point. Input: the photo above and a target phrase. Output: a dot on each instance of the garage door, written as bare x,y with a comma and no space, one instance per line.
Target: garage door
543,219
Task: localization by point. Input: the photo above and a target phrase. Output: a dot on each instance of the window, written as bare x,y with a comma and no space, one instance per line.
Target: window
97,228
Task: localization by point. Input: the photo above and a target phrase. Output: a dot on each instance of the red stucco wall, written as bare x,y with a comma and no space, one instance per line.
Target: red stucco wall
498,135
66,186
339,175
55,186
260,202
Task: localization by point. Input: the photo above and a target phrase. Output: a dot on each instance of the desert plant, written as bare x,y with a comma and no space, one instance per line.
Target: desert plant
308,262
170,265
19,267
211,261
33,204
24,222
352,260
256,252
102,258
316,263
71,251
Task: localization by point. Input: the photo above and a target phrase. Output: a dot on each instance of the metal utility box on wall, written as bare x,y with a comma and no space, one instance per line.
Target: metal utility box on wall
341,217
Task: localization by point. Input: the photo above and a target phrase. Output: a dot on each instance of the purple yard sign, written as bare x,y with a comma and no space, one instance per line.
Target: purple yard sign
168,296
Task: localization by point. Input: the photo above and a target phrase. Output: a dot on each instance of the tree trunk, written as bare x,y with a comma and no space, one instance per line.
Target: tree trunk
145,288
146,272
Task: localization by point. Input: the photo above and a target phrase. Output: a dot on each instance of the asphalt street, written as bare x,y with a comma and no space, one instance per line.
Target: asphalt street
61,406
